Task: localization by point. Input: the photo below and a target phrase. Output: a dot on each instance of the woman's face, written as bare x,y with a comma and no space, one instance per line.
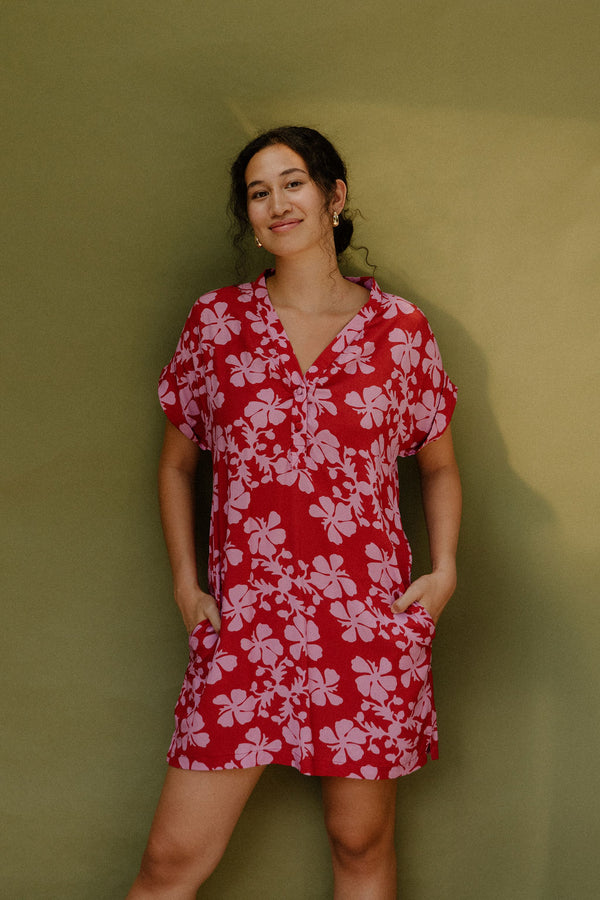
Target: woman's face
287,210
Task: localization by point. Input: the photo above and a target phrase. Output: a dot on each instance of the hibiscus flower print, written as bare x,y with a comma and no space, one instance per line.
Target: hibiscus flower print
262,647
352,333
236,707
319,402
432,362
425,411
405,351
215,397
346,740
257,750
303,636
241,607
324,446
166,396
219,327
247,369
264,536
355,358
267,410
221,664
374,679
257,322
329,577
323,687
299,738
233,555
189,404
382,568
395,306
238,498
192,731
336,518
287,474
371,405
414,664
357,619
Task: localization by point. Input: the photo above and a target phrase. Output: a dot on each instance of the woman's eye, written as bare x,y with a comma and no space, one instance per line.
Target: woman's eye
258,195
293,184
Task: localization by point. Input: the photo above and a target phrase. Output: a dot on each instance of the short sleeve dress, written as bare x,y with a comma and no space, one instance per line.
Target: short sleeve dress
311,667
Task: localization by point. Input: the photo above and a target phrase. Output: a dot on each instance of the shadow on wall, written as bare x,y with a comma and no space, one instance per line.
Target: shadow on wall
508,673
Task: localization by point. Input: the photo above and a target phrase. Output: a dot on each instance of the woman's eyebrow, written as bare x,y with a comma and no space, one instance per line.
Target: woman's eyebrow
281,174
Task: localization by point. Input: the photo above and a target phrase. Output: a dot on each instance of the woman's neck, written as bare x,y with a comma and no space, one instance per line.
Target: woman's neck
310,285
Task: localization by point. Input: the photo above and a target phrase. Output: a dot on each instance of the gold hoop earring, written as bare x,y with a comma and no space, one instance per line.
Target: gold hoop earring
258,243
336,220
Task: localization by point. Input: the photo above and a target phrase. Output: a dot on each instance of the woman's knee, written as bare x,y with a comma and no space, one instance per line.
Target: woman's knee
355,840
166,864
360,816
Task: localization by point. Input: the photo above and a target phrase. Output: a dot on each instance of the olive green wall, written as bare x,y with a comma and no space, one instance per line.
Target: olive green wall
472,132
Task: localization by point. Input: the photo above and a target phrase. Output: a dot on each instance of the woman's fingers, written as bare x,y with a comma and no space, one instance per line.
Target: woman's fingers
211,611
432,591
412,594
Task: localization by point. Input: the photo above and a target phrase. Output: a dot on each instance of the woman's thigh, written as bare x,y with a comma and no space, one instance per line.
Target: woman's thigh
197,812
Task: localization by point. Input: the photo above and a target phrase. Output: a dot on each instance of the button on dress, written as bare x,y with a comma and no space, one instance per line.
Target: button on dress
311,668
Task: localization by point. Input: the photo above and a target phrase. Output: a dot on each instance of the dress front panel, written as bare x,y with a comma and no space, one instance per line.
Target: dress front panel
307,551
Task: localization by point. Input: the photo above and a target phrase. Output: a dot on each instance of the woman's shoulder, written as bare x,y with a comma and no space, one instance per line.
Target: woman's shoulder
397,310
392,304
400,306
229,299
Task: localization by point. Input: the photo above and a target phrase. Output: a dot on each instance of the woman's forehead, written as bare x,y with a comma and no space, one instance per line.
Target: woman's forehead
273,162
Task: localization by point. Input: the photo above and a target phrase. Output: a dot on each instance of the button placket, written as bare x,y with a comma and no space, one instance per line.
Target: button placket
299,425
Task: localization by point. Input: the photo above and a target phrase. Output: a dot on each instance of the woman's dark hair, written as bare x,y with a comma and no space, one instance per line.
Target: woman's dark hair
324,166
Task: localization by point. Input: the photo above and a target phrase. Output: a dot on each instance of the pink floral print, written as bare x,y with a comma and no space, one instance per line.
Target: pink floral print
311,668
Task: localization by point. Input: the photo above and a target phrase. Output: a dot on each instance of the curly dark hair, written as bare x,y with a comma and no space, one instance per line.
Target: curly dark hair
324,165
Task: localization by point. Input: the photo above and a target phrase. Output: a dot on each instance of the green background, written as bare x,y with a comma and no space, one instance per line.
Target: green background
472,134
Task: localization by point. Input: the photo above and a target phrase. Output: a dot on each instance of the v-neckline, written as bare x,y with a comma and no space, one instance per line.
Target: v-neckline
274,321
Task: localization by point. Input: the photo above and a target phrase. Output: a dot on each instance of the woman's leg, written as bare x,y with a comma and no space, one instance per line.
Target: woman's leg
195,817
360,817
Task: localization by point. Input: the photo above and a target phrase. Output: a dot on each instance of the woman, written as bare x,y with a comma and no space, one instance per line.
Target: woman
313,648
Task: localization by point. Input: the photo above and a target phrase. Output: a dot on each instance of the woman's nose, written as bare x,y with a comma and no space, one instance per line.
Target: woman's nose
279,203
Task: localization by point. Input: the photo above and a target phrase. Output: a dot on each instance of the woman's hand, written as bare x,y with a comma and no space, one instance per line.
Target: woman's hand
431,591
195,606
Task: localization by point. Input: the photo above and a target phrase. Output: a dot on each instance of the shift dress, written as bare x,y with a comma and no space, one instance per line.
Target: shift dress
311,667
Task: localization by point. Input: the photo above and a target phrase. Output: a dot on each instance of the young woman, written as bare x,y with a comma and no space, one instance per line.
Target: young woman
313,648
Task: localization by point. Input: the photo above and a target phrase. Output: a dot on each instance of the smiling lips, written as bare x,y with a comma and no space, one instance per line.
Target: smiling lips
285,226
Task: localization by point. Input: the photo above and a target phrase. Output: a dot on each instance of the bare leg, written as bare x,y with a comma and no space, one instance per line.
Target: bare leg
195,817
360,817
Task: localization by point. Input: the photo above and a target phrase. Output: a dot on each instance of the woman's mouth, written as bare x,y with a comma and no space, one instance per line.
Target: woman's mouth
285,226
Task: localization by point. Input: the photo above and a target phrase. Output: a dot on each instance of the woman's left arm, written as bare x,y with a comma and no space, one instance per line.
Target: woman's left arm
442,503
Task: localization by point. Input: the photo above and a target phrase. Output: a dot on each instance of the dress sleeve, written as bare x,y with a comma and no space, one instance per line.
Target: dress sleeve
431,396
182,385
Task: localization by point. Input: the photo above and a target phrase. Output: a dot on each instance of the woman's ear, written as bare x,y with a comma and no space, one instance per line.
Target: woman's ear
338,200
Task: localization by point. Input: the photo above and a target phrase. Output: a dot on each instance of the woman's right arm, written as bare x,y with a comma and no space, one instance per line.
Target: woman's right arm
176,489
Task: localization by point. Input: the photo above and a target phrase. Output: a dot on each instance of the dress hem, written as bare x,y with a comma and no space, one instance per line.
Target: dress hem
431,753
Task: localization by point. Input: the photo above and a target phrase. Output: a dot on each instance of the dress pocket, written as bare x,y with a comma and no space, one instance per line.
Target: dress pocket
415,625
202,640
196,631
424,615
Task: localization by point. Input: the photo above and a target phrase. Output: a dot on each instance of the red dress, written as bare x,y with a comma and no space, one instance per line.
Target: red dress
311,668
